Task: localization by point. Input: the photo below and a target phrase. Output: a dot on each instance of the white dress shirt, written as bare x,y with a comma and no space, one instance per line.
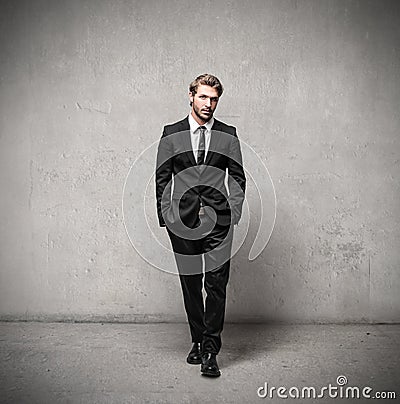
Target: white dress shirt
195,135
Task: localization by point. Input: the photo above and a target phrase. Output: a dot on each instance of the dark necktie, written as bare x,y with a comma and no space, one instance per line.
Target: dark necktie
202,145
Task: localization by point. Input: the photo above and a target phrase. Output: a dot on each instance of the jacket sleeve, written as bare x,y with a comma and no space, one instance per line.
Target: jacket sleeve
236,179
163,177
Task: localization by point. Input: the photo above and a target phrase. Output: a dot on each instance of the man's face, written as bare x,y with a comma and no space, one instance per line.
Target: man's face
204,102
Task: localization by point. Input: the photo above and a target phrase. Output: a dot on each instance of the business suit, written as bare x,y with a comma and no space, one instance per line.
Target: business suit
210,235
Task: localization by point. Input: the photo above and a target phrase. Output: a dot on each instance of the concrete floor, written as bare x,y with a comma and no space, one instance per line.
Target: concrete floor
145,363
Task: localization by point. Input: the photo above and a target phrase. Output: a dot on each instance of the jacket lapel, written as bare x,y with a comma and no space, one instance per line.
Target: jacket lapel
188,143
213,141
185,127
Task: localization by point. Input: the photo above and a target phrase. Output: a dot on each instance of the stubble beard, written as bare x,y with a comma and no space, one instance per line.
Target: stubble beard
198,113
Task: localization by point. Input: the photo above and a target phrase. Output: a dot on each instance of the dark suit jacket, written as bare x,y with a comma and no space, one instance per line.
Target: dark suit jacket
181,184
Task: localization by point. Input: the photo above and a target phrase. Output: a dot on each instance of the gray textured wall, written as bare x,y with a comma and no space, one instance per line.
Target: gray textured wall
313,86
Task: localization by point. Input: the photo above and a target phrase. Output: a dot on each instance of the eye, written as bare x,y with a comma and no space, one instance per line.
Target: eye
203,97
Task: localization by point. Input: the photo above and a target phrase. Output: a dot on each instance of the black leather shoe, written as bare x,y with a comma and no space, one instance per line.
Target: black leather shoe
194,357
209,365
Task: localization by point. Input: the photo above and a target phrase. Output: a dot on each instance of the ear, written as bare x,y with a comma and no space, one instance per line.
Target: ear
191,97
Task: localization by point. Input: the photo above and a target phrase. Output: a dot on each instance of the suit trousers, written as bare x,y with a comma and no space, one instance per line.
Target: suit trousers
206,321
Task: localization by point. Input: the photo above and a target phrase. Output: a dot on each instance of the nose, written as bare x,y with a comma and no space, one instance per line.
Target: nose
208,102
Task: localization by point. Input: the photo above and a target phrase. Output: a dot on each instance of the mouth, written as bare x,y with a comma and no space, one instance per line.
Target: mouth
206,111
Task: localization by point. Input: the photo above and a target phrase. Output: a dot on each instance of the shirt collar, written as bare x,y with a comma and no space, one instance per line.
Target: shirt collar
194,125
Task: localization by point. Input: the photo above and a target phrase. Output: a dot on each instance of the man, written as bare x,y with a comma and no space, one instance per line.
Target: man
194,157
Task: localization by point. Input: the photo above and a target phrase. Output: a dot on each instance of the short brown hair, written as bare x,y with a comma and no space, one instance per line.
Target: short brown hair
206,80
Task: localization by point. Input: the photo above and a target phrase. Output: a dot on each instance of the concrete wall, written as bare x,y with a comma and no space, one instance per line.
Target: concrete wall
313,86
